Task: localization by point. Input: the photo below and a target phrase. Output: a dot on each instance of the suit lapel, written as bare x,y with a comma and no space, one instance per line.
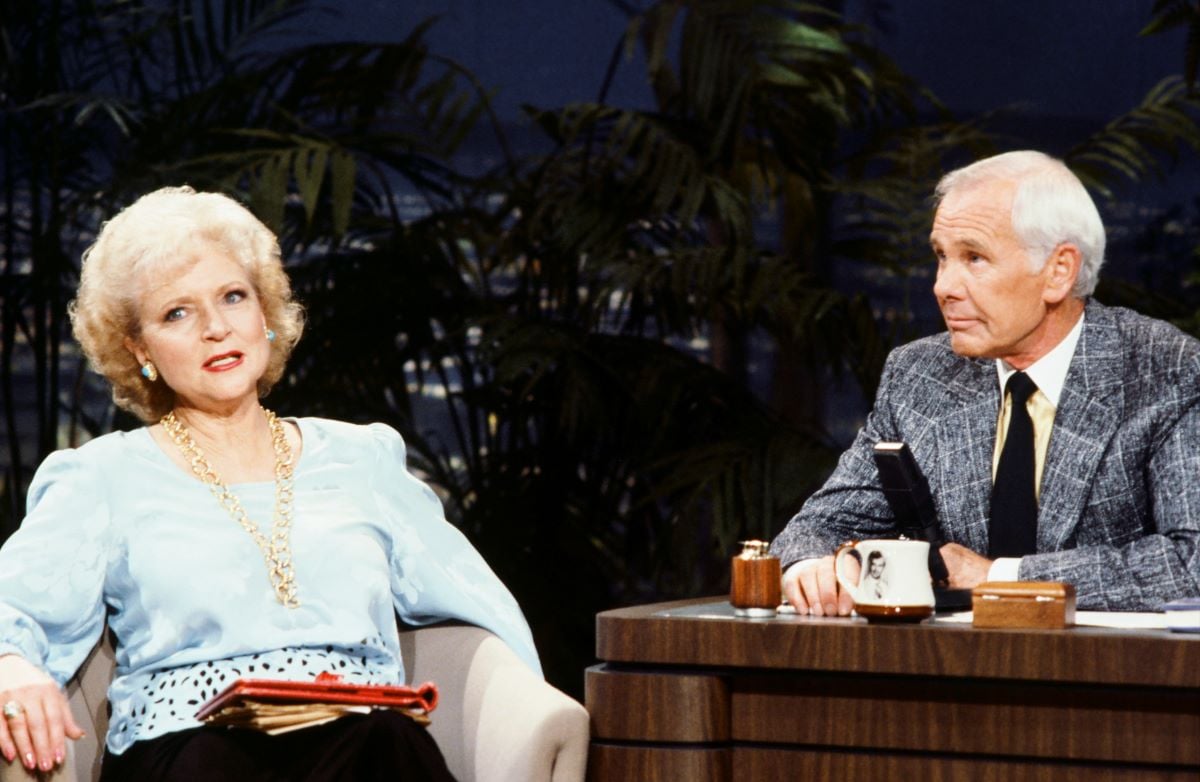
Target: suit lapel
966,437
1089,412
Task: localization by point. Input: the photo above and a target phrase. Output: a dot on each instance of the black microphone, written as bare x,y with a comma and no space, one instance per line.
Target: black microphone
907,494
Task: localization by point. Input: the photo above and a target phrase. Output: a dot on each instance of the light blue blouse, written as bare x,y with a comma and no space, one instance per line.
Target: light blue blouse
115,530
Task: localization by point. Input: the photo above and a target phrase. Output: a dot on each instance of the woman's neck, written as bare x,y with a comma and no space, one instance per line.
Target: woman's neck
238,443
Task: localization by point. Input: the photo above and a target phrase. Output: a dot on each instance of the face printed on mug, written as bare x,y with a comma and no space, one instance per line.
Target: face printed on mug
875,564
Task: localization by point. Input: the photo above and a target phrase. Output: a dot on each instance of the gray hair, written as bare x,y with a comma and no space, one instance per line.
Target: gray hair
1051,207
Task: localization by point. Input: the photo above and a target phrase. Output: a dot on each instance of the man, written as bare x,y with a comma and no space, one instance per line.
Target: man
1094,479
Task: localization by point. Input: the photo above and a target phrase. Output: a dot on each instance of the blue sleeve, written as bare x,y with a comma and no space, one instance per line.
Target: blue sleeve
52,569
435,572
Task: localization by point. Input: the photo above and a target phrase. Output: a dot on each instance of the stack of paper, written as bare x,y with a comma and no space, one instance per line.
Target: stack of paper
275,718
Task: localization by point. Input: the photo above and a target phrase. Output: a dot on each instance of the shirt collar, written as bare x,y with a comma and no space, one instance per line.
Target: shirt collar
1050,371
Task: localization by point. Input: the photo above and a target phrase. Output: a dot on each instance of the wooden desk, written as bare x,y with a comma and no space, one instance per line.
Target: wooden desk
688,692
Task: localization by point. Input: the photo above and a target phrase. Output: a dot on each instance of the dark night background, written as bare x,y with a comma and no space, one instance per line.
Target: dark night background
1057,61
1068,59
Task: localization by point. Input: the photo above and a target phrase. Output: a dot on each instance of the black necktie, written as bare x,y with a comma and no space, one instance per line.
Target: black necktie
1013,528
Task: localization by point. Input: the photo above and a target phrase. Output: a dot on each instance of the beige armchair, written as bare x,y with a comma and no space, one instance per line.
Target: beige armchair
496,721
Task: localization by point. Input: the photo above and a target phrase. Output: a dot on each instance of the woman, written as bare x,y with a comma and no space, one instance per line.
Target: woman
220,541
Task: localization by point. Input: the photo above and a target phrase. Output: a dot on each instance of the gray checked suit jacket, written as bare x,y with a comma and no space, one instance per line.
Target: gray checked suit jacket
1119,513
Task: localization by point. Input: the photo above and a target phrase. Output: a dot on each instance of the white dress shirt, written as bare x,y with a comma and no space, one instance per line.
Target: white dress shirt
1049,373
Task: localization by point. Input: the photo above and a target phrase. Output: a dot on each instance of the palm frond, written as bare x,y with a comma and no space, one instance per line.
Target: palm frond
1134,145
1170,14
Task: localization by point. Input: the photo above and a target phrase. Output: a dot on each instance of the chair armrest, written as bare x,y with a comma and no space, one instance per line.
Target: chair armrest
86,695
15,772
69,771
496,721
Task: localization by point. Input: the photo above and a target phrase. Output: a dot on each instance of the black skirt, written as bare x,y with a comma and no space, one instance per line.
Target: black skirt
382,745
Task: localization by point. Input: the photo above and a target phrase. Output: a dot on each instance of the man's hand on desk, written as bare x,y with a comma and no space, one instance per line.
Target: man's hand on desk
967,569
809,585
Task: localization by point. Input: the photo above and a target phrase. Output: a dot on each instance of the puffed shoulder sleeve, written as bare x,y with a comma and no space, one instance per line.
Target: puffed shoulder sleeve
52,568
435,572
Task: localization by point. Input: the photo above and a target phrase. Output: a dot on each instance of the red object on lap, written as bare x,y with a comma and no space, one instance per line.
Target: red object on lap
326,688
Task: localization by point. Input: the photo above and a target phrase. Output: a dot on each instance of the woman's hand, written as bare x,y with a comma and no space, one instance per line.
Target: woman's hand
40,721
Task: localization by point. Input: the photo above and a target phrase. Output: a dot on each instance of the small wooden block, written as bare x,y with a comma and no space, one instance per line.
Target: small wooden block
1034,604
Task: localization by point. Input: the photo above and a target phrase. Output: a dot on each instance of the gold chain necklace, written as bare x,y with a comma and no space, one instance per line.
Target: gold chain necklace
276,551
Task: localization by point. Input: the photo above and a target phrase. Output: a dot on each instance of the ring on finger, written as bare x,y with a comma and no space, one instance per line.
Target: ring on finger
13,709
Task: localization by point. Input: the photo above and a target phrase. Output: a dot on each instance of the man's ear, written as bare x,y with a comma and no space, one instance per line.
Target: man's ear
137,350
1061,271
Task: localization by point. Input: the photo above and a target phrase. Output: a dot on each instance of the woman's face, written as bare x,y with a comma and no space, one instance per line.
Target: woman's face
203,327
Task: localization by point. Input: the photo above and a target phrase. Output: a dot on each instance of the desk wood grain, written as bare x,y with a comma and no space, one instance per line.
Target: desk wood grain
608,762
840,699
651,634
1029,720
758,765
657,706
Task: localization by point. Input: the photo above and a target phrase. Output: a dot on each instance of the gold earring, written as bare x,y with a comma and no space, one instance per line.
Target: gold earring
149,372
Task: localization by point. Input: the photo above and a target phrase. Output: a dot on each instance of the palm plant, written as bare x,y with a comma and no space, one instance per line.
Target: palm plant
54,163
1170,14
563,307
104,100
609,447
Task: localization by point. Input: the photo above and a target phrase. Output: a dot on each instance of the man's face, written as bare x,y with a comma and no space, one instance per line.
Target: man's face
993,303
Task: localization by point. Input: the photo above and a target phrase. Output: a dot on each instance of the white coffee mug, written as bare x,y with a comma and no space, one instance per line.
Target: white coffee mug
893,583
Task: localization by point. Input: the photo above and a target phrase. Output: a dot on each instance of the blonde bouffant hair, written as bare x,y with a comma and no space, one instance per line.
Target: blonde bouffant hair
153,237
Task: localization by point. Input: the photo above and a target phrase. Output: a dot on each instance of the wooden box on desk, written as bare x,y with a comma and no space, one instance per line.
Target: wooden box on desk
1037,604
